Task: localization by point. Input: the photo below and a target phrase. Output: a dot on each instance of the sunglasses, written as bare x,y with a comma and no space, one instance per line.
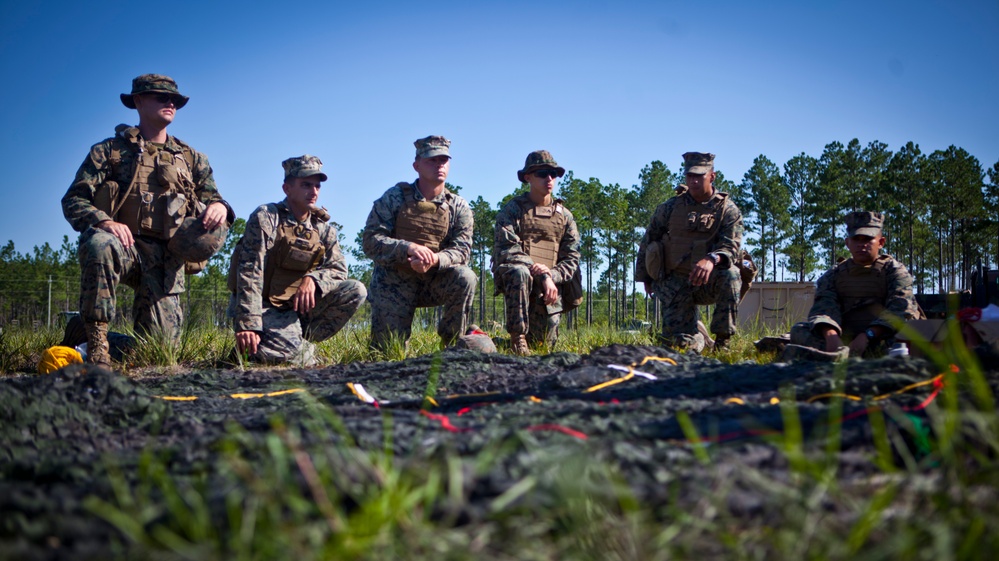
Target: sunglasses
545,173
164,98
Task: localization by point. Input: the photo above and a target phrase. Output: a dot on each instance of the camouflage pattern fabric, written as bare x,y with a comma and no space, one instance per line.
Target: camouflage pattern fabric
526,312
287,336
678,297
395,293
727,242
98,167
395,296
680,300
147,267
827,311
284,331
156,275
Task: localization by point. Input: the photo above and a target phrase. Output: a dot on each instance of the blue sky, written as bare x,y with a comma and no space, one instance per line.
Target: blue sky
606,87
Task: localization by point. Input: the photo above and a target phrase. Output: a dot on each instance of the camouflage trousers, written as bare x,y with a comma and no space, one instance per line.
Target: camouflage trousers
147,267
288,336
395,295
680,300
526,312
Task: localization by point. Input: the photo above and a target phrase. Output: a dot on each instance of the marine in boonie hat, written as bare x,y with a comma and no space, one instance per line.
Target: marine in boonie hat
864,223
303,166
698,163
154,83
431,146
539,159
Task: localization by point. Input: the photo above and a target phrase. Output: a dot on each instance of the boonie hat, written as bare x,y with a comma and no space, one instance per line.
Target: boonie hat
154,83
432,146
863,223
303,166
698,163
537,160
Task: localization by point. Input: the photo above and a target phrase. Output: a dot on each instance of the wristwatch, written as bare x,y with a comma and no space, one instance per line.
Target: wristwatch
871,336
714,257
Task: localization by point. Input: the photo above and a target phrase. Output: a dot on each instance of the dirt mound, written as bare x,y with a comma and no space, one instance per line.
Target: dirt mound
63,437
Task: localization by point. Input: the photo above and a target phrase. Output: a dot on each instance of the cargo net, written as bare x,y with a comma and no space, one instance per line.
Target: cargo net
646,412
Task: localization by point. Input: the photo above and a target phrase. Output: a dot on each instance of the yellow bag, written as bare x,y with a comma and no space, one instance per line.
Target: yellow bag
58,357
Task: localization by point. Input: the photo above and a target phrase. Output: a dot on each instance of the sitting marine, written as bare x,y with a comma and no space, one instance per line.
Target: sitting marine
855,299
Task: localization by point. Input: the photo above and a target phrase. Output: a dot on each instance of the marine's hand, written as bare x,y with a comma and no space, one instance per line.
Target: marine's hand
648,287
247,342
538,269
421,258
214,216
833,340
119,231
859,345
305,297
702,271
551,291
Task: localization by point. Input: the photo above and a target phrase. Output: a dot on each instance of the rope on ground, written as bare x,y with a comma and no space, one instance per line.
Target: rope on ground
631,372
935,380
559,428
233,396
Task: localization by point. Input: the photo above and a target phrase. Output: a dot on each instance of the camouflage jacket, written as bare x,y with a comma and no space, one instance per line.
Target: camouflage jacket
78,202
727,242
899,301
507,247
258,239
380,245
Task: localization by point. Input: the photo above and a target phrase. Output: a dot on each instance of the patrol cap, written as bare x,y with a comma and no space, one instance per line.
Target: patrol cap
863,223
698,163
539,159
432,146
303,166
154,83
193,243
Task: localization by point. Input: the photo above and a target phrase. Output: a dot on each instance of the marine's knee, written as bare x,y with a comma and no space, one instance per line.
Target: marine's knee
97,247
464,279
354,289
801,333
730,277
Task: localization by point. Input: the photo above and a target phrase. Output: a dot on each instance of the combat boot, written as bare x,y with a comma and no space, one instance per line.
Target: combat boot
518,345
97,343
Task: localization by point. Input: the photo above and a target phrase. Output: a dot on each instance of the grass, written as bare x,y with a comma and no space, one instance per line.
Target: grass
303,490
211,347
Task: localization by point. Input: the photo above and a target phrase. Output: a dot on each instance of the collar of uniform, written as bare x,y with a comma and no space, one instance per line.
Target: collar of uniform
418,195
525,201
283,208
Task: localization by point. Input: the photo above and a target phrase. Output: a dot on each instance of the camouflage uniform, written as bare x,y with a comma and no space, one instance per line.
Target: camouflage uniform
284,333
526,312
887,293
155,273
679,298
396,290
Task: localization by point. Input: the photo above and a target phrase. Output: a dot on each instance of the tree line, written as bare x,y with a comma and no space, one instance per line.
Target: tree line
942,221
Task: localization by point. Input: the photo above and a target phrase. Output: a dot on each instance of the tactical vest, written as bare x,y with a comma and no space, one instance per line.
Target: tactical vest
160,185
422,222
541,230
297,250
862,292
689,233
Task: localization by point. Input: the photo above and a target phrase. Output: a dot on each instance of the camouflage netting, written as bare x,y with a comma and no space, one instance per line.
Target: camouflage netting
61,435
